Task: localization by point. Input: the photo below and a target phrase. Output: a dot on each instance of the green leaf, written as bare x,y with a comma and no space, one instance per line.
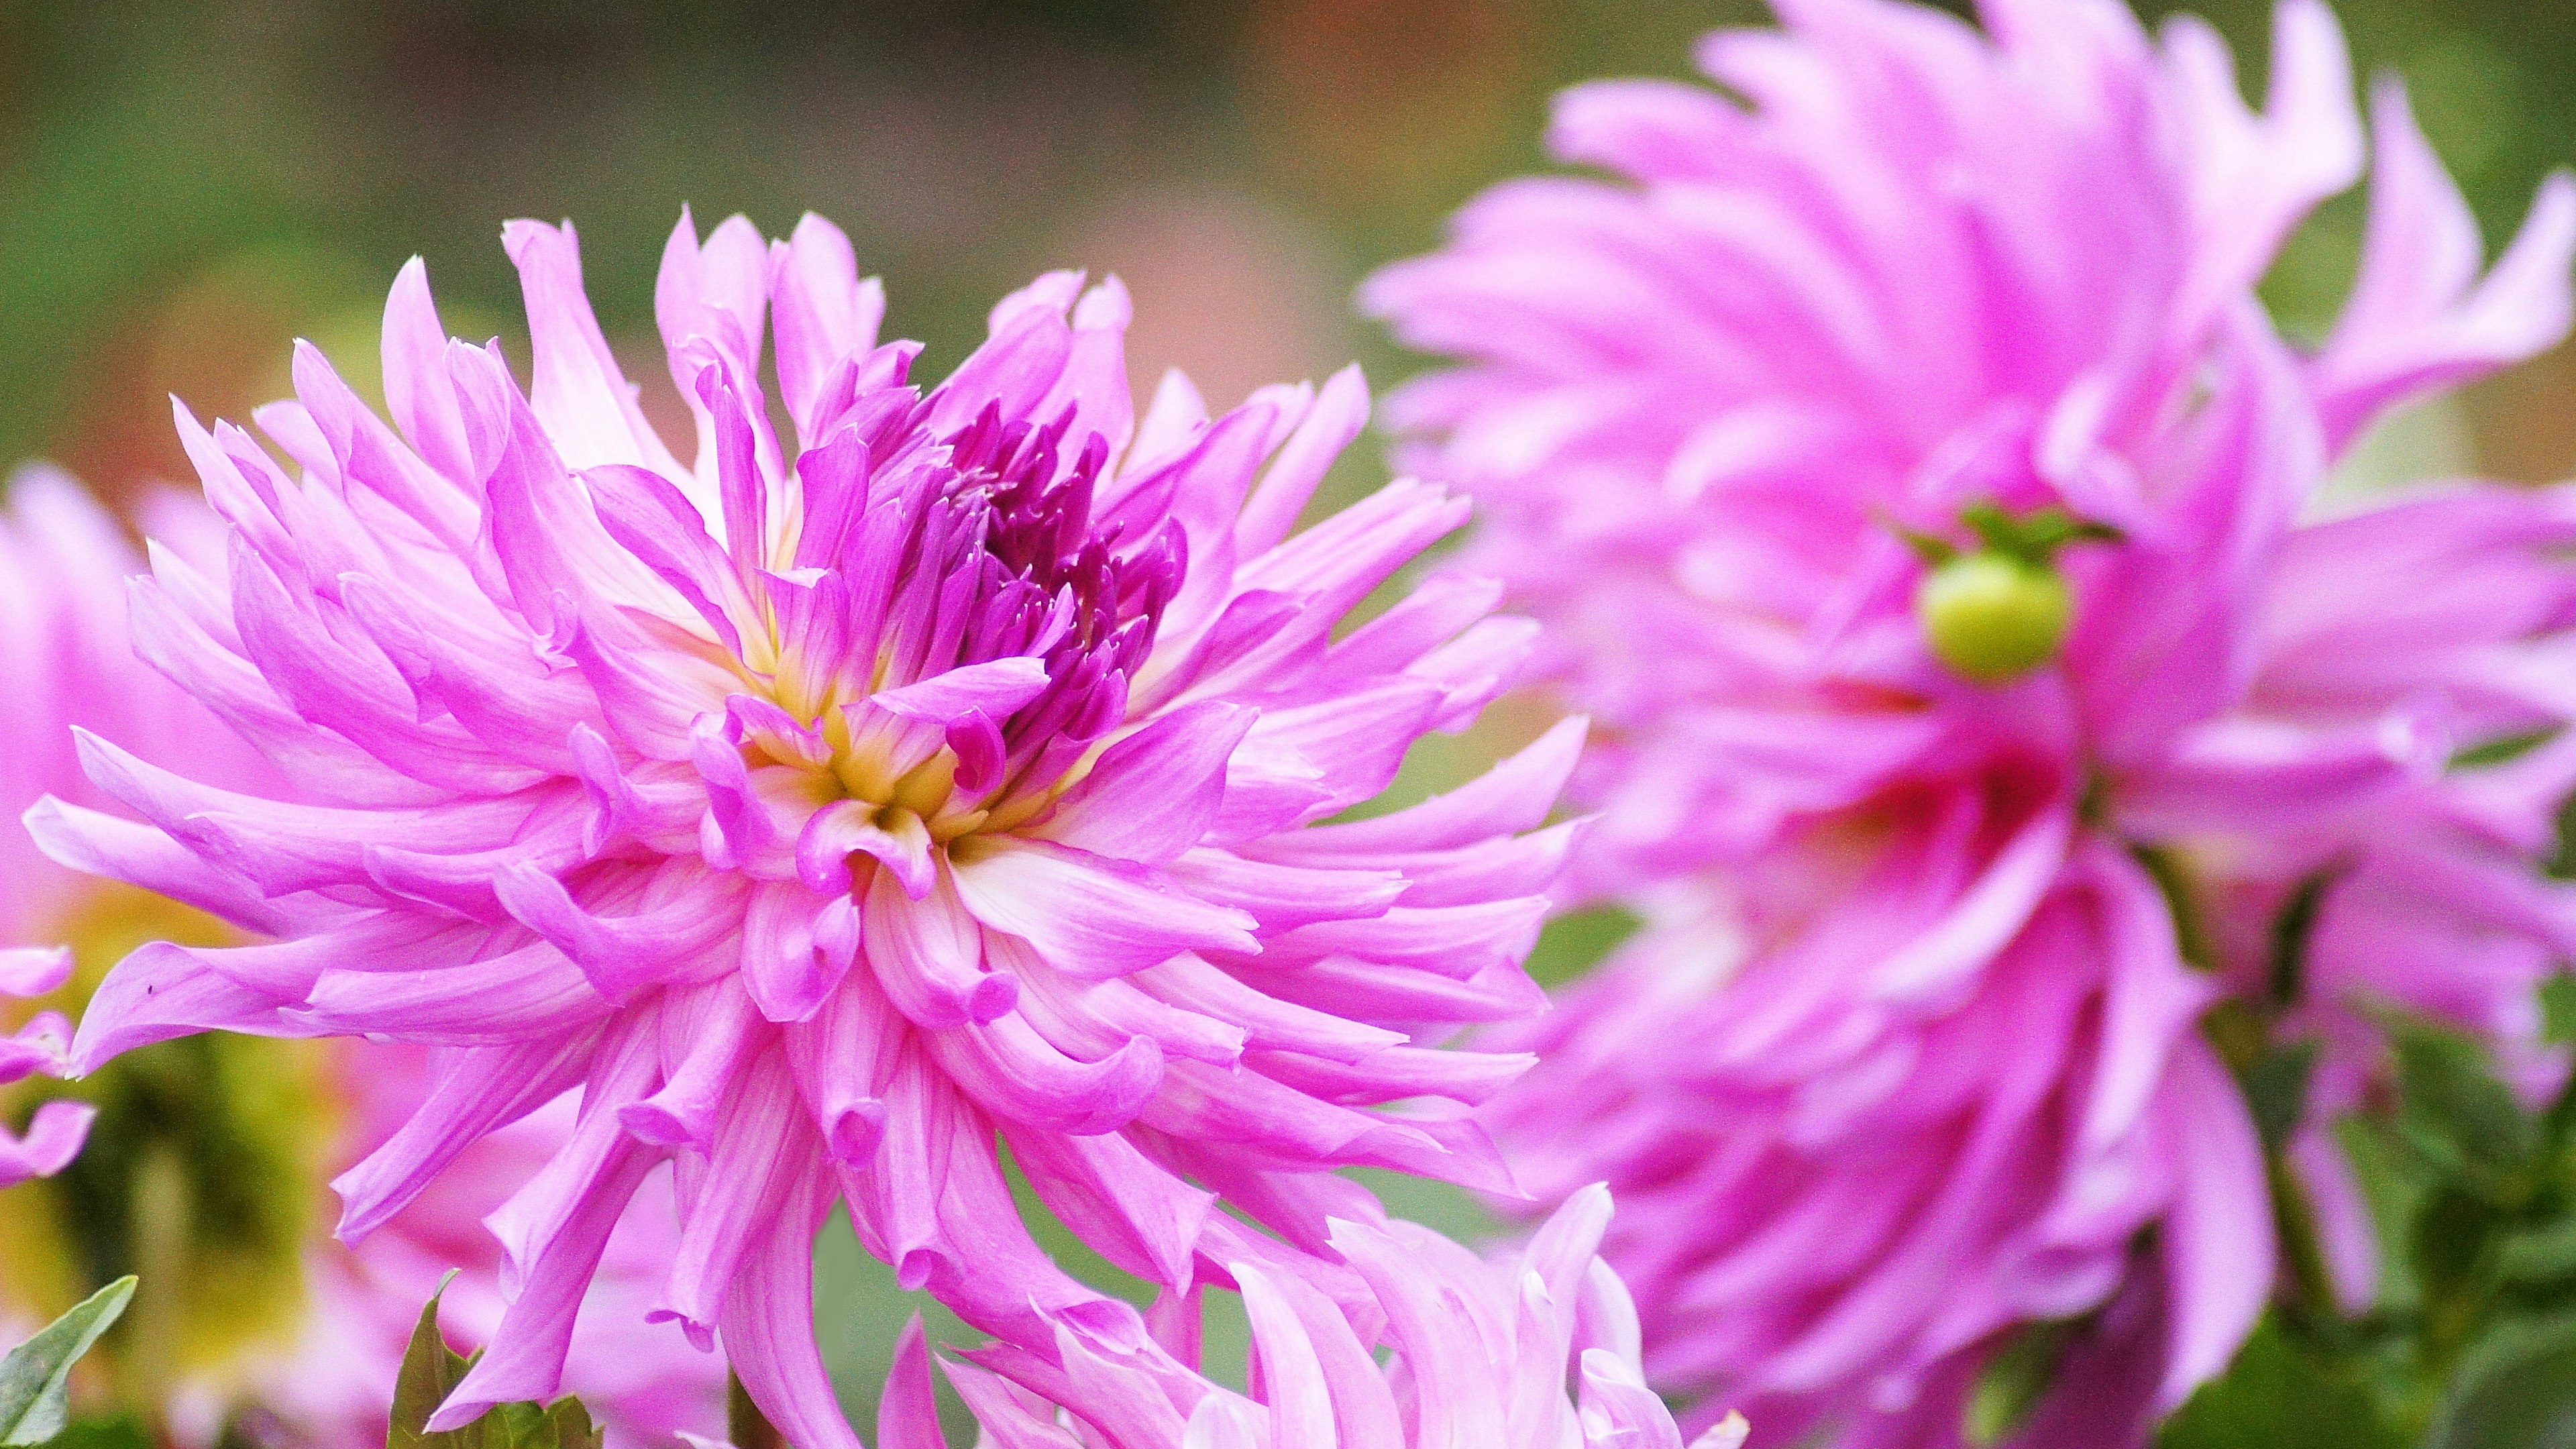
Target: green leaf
516,1426
1575,942
1932,549
2281,1393
2014,1381
118,1431
2036,536
1997,529
2501,750
2515,1390
573,1428
2540,1253
431,1371
34,1378
564,1424
2452,1107
2558,1008
2454,1234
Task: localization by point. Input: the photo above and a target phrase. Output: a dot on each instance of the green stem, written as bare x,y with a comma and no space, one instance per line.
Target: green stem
2295,1219
2241,1033
745,1425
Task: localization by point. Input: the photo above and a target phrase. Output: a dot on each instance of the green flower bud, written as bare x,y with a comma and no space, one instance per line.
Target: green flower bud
1993,617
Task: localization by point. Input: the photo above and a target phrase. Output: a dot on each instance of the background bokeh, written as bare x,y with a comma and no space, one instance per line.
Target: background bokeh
184,188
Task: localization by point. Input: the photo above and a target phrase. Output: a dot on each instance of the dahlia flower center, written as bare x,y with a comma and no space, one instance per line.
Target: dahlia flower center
204,1174
1004,639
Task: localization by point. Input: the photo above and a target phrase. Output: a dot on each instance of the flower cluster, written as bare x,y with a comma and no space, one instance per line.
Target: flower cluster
1481,1354
2040,790
1920,498
840,808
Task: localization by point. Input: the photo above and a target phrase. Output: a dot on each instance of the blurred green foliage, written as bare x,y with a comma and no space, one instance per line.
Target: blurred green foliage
2470,1342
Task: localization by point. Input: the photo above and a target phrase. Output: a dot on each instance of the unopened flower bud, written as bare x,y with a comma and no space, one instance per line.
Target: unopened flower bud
1993,617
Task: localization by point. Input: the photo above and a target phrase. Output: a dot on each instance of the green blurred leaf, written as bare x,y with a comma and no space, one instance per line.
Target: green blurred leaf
2450,1242
2453,1109
1933,550
2501,751
2516,1390
2280,1394
1575,942
2035,536
34,1378
2015,1380
2276,1091
121,1431
2558,1008
2539,1253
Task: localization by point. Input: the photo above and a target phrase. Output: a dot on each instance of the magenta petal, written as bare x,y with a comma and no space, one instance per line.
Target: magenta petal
526,1357
1090,916
996,688
908,1415
2218,1276
33,970
895,839
53,1138
1179,762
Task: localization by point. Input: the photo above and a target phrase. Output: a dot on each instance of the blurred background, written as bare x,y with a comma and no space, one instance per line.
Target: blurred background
185,188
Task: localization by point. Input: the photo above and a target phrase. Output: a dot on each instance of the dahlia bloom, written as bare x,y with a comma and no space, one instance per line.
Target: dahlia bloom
1482,1354
327,1379
1919,496
842,808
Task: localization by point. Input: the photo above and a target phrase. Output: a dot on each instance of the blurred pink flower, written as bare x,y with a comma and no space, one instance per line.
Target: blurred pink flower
1482,1353
56,1129
64,565
62,640
841,808
1908,1056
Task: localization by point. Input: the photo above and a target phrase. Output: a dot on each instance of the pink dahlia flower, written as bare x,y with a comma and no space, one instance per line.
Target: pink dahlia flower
328,1381
1479,1354
1922,500
842,808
